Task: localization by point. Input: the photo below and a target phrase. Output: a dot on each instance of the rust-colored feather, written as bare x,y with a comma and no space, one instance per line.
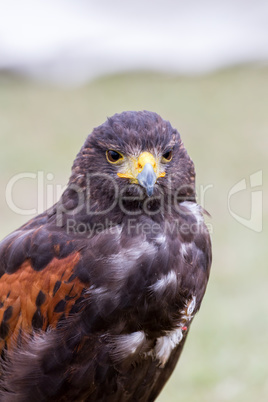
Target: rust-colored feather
33,300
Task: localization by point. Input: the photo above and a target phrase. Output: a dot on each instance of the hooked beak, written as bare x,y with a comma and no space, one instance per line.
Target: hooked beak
143,171
147,178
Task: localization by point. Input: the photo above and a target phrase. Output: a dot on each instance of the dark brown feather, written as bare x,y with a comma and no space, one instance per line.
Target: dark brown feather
102,314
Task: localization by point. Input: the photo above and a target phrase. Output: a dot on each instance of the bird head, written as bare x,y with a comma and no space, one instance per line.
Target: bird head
137,154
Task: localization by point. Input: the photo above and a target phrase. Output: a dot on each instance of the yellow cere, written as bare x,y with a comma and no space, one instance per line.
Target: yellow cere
135,166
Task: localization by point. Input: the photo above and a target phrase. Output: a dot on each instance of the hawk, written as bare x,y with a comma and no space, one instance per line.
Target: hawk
98,292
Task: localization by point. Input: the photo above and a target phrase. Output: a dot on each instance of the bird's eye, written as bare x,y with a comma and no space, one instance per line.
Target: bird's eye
167,156
113,156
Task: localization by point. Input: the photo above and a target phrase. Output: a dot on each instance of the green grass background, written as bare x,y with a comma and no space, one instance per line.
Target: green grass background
223,120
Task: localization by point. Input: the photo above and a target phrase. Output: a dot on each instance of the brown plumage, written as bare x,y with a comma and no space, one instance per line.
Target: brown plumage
97,294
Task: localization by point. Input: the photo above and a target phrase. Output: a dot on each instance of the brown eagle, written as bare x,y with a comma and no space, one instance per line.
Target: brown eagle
98,293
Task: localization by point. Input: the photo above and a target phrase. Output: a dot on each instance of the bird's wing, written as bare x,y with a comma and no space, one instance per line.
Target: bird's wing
38,287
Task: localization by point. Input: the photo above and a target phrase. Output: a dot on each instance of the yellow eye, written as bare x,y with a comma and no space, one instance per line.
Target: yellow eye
114,156
167,156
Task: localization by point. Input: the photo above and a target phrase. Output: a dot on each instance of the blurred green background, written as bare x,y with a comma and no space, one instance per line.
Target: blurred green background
223,120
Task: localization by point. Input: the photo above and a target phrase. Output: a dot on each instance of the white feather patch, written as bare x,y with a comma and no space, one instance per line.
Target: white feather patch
166,344
191,306
184,249
128,258
194,209
127,344
166,281
160,239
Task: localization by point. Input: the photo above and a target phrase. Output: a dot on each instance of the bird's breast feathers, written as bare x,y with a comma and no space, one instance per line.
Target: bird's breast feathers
152,274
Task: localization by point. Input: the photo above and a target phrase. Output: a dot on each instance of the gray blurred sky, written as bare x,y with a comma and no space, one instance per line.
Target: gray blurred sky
71,41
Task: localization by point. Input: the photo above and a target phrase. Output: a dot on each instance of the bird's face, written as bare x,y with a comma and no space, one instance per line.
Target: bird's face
137,153
144,169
